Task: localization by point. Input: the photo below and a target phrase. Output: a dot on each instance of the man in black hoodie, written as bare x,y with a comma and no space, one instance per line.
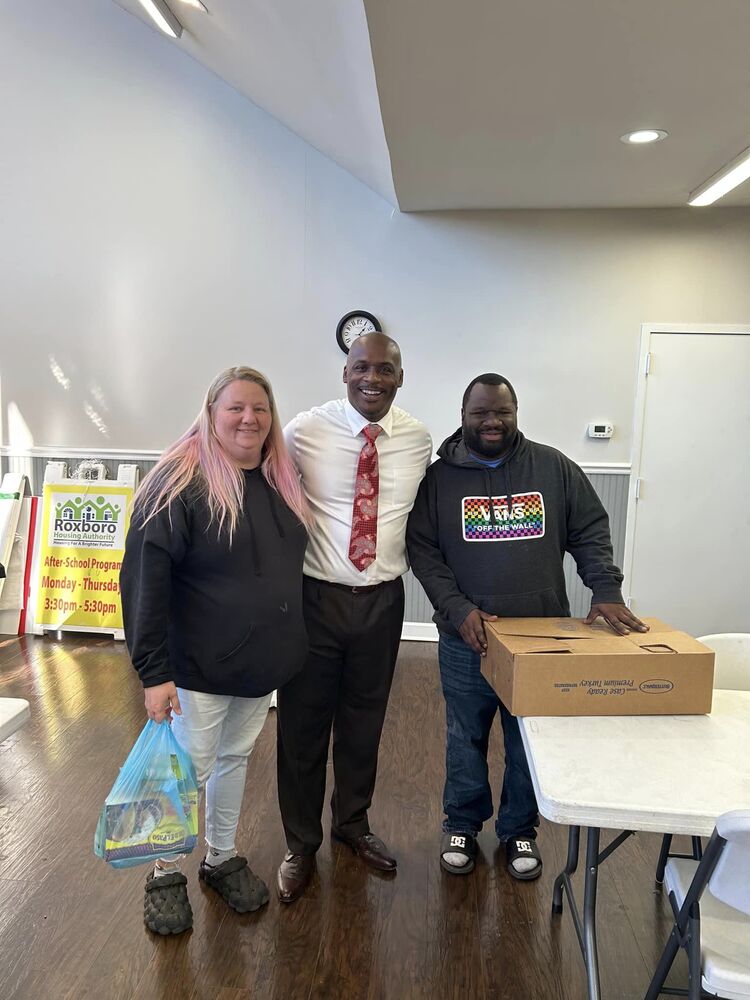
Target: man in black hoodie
493,519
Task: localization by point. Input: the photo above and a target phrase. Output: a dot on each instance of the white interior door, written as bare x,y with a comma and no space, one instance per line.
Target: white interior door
688,540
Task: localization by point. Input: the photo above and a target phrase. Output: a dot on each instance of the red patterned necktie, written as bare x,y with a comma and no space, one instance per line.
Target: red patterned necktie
365,510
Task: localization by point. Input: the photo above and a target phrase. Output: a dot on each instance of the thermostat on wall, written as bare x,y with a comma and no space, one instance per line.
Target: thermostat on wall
601,430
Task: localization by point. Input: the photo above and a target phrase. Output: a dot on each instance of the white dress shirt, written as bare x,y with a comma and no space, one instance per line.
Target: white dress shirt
324,444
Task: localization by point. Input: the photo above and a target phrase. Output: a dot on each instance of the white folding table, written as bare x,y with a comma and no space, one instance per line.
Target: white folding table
659,774
14,713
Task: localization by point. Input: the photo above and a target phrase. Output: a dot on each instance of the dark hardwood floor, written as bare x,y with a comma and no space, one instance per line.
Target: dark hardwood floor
70,927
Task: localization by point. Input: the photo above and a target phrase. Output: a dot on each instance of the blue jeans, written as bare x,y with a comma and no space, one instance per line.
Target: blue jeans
470,708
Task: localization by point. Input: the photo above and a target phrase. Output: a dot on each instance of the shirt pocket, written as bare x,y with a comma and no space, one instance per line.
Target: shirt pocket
406,480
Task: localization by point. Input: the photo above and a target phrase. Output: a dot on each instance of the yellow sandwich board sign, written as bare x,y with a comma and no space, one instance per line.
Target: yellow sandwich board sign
83,529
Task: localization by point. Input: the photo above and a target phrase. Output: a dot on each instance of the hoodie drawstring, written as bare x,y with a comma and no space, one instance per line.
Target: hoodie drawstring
509,486
488,489
254,551
254,547
275,513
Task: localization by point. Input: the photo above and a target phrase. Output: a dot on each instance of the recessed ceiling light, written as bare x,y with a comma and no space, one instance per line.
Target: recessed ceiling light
729,177
644,135
162,17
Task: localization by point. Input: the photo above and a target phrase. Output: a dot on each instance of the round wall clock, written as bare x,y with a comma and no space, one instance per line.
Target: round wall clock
353,325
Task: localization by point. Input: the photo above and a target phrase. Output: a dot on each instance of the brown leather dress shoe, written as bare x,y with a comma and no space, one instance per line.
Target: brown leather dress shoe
370,849
294,875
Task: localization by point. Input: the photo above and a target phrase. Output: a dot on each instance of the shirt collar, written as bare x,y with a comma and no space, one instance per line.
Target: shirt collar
357,421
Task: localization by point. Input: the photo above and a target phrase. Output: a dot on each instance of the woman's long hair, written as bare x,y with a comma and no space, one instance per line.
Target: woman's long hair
198,459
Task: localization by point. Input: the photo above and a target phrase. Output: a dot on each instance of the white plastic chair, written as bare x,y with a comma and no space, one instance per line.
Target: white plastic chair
711,902
731,672
14,713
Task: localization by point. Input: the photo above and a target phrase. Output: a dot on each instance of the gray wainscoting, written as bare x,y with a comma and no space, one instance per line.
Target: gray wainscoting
612,488
34,466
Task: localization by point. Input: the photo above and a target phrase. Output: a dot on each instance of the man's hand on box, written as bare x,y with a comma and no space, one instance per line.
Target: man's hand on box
618,617
472,630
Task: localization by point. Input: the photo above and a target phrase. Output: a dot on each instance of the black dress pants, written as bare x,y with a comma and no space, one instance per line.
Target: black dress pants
354,635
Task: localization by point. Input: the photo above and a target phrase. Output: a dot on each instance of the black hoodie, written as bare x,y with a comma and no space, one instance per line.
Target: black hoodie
209,616
468,552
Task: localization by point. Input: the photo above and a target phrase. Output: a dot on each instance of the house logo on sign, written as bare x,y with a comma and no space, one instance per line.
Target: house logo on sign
87,521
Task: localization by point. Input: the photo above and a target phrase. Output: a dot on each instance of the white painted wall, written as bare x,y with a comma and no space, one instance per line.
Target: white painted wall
156,227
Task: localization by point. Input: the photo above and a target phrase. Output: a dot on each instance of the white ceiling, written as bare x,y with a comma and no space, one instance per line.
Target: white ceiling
307,63
495,103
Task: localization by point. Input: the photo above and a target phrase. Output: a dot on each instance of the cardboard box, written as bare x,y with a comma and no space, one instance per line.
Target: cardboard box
559,666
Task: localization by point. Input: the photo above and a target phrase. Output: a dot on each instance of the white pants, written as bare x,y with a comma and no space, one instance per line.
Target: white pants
219,731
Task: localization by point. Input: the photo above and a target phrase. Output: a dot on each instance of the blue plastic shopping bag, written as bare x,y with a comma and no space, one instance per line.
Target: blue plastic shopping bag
152,809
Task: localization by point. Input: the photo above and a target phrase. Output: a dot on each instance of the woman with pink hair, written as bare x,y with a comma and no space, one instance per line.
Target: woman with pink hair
211,586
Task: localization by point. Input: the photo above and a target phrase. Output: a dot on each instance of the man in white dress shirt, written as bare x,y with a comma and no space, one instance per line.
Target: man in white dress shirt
361,460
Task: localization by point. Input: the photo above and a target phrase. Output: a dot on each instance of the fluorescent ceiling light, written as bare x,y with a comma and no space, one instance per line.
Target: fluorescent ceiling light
723,182
197,4
644,135
162,17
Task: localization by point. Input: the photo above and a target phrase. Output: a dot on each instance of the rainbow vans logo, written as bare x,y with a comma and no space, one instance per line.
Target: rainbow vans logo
523,517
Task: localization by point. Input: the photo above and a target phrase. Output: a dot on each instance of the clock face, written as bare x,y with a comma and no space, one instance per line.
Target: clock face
353,325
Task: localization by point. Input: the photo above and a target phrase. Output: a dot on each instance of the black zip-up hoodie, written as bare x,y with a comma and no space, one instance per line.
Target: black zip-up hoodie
209,616
470,548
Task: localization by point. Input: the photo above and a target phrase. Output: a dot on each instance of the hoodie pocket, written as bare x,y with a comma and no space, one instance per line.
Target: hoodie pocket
271,651
237,646
534,604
